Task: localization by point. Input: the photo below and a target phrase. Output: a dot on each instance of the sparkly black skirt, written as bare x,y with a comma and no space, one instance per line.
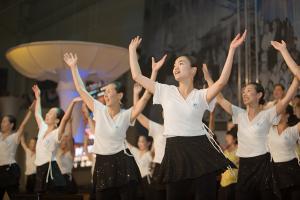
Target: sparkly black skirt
255,173
115,170
190,158
9,175
286,174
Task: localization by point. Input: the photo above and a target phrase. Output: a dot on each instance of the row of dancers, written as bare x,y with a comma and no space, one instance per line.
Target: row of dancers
187,159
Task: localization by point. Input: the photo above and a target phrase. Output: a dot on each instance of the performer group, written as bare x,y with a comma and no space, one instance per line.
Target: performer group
179,159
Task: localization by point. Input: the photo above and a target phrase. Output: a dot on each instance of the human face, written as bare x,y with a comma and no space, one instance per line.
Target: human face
278,92
230,140
143,144
51,117
250,96
183,70
32,144
6,126
111,96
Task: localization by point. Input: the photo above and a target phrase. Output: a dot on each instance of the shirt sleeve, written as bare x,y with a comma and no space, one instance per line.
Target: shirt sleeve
235,113
209,106
42,129
127,114
15,138
159,93
272,115
98,108
55,135
134,151
294,133
154,128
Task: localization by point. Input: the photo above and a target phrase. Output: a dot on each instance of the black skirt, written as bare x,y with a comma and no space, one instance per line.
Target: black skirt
286,174
190,158
30,183
9,175
155,184
255,173
57,184
71,185
115,170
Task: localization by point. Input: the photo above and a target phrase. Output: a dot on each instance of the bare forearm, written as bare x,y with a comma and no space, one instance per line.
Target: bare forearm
292,65
224,77
147,95
281,105
80,87
134,64
224,103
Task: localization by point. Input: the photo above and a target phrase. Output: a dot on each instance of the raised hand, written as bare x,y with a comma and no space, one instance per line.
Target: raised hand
70,59
135,43
279,46
36,90
238,40
137,88
157,65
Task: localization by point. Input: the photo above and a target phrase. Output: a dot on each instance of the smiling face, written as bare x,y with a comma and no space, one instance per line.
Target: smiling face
250,95
278,92
6,125
183,70
111,96
51,117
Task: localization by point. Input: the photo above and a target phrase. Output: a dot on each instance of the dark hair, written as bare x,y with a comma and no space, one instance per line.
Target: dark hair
59,114
148,139
279,85
193,61
12,119
120,89
259,89
233,133
292,120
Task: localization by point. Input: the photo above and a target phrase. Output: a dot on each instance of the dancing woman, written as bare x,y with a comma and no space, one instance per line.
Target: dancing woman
190,163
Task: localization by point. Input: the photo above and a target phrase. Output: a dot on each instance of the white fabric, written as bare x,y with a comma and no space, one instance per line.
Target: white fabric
65,162
159,141
8,149
252,135
283,147
182,117
110,133
46,147
30,158
142,160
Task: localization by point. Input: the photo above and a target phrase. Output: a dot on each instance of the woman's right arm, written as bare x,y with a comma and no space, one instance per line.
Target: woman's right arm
136,73
71,61
38,109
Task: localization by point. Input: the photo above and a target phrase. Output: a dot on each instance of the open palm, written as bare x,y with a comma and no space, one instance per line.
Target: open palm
279,46
238,40
36,90
70,59
157,65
